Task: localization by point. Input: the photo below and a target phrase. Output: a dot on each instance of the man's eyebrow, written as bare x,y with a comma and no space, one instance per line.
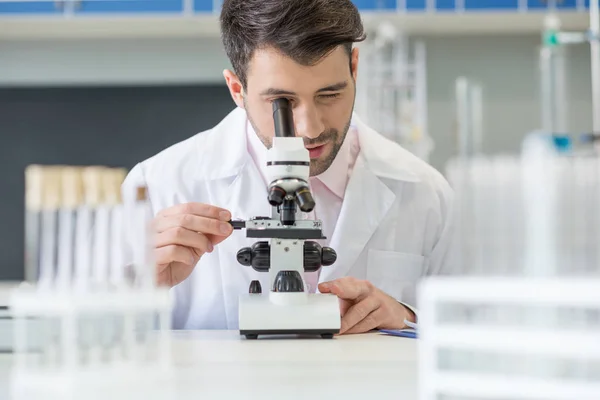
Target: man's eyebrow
280,92
276,92
334,88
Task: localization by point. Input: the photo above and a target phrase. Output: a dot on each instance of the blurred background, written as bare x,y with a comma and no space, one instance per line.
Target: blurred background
112,82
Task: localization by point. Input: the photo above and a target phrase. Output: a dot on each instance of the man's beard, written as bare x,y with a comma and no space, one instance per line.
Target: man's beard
320,165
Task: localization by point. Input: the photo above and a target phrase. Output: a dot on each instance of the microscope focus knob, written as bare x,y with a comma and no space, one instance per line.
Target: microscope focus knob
288,282
244,256
312,256
257,256
328,256
261,256
255,287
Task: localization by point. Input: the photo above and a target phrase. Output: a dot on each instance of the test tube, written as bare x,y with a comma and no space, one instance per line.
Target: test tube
85,245
113,275
117,263
72,198
143,259
102,211
34,179
117,226
84,228
138,219
51,203
48,247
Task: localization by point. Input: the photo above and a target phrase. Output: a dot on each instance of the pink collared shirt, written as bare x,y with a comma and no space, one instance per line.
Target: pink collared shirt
328,188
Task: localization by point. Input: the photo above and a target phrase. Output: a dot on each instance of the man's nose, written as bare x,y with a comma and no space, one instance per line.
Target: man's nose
308,122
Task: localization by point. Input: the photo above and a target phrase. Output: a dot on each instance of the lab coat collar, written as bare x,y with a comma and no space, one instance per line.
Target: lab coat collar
381,155
228,147
228,142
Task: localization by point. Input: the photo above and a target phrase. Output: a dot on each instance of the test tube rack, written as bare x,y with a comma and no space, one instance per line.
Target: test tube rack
89,322
484,358
520,317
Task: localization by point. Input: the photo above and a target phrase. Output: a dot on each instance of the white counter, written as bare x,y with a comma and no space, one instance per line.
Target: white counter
223,365
6,327
367,366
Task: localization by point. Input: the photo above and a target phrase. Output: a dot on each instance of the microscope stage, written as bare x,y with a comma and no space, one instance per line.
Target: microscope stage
316,314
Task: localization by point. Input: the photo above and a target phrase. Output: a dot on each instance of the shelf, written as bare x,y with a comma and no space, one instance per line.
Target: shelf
130,6
376,5
208,25
11,8
74,8
27,19
110,7
491,4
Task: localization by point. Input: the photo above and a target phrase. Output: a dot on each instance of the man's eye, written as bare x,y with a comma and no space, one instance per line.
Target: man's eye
278,98
330,96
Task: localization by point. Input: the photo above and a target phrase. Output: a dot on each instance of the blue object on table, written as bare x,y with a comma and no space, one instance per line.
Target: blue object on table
408,333
410,324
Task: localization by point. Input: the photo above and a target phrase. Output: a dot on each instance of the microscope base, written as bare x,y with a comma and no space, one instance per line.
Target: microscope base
260,315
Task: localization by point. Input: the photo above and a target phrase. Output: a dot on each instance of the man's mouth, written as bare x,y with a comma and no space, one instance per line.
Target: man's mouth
315,151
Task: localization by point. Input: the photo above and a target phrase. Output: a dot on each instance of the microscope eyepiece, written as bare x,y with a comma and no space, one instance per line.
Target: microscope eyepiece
276,196
283,118
305,200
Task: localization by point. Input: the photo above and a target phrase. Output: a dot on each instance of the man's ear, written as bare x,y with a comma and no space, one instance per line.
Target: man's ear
235,87
354,63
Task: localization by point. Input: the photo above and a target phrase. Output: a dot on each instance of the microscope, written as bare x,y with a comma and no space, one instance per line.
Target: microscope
286,247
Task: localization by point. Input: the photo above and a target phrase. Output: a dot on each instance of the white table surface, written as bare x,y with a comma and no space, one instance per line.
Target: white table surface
5,289
224,365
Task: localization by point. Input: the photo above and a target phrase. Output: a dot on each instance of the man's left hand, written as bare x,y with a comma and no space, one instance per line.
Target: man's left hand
363,307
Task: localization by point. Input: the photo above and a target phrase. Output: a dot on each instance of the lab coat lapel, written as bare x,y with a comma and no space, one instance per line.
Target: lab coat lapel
366,202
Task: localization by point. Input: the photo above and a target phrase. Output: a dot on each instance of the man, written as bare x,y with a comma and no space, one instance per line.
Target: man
384,211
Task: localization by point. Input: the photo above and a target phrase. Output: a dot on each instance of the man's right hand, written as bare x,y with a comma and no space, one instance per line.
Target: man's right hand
183,233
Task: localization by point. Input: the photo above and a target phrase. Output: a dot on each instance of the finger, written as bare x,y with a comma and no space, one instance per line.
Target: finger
183,237
359,312
174,253
200,209
215,240
193,223
172,274
345,306
348,288
370,322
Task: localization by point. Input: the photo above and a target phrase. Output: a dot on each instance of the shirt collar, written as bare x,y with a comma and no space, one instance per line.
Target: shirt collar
336,177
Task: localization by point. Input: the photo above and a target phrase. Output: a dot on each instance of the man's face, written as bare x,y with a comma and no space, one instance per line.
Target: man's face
322,98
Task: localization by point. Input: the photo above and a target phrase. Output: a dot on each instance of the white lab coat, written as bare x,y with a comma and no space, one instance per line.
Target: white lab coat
395,225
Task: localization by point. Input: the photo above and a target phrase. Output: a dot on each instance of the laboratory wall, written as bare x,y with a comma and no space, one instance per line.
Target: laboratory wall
505,65
111,61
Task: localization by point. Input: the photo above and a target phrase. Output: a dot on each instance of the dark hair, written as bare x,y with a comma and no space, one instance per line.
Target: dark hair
304,30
